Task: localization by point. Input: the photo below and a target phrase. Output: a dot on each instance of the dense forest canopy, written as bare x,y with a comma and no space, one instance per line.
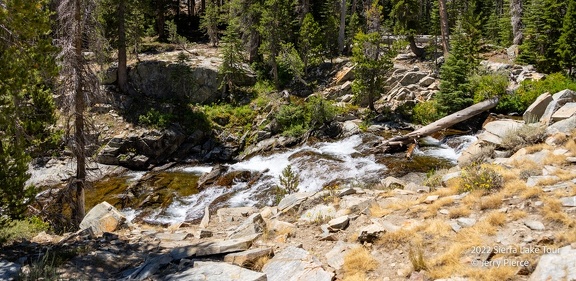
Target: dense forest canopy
281,40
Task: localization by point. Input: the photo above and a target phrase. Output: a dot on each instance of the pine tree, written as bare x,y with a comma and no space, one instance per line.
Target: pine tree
26,106
372,59
310,42
455,93
232,57
567,42
407,15
543,29
210,21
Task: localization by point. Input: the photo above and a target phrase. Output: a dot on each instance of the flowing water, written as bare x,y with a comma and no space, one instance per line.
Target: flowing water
347,162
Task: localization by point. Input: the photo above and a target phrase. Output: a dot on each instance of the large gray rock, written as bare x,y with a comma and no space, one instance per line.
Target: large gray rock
338,223
412,78
295,264
568,201
195,83
9,270
335,257
292,200
565,112
254,224
213,247
565,126
558,100
102,218
370,233
216,271
555,266
248,257
495,131
537,108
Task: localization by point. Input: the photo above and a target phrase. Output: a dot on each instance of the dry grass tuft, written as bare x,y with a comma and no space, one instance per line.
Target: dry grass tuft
437,228
553,159
571,146
360,276
491,202
565,237
416,256
358,261
397,238
537,147
496,218
532,193
462,211
552,211
433,208
514,187
492,273
517,214
259,263
378,211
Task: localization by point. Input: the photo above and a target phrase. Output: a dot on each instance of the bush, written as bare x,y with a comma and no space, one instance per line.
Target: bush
488,86
22,229
426,112
529,90
155,118
319,112
294,120
480,177
523,136
230,116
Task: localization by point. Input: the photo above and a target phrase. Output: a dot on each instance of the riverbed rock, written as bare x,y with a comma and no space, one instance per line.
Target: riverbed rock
560,265
102,218
249,256
216,271
295,264
9,270
495,131
254,224
213,247
537,108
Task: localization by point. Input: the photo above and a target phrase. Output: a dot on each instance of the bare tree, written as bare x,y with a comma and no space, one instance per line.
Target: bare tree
341,32
516,19
122,68
78,84
444,30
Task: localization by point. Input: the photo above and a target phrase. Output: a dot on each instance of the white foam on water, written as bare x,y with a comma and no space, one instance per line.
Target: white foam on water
446,152
197,169
134,176
130,214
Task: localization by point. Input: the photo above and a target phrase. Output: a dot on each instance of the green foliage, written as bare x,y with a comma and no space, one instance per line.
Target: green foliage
455,93
24,229
231,69
310,42
155,118
567,43
425,112
373,60
488,86
44,268
294,120
289,180
173,36
27,60
529,90
289,63
482,177
209,22
543,20
230,116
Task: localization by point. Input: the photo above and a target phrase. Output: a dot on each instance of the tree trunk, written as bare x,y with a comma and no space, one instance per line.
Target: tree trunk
516,20
444,30
419,52
191,5
122,69
79,106
160,20
441,124
342,31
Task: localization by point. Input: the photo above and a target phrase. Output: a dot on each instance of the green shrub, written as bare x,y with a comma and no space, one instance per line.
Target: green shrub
529,90
230,116
488,86
291,116
295,119
426,112
319,112
155,118
22,229
480,177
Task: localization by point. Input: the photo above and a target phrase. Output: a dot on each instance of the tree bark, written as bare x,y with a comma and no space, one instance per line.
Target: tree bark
444,30
79,107
441,124
122,68
516,20
342,31
419,52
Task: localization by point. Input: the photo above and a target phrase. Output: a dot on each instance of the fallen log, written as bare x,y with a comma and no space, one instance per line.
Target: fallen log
441,124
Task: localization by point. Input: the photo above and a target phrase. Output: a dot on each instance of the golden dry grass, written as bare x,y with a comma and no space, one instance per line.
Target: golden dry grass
514,187
493,201
553,159
394,239
378,211
360,276
446,191
496,218
537,147
432,209
461,211
525,164
259,263
416,256
566,237
437,228
552,212
531,193
357,261
491,273
517,214
571,146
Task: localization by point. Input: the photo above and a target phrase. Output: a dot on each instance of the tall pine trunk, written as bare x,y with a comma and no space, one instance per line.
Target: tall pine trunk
79,107
122,68
341,32
516,19
444,29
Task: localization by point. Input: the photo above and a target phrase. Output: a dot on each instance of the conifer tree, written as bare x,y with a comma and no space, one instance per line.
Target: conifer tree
26,108
275,29
455,93
567,42
310,42
372,59
210,21
232,57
